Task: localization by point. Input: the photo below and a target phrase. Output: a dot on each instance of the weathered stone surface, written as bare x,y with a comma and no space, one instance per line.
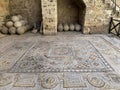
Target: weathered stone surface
49,16
94,15
4,10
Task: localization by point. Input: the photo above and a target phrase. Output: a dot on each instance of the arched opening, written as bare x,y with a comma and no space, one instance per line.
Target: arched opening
71,11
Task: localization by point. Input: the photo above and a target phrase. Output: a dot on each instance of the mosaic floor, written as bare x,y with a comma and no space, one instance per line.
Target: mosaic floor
67,61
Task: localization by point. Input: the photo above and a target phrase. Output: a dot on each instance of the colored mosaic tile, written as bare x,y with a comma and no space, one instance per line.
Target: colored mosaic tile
73,81
48,81
22,80
95,81
5,79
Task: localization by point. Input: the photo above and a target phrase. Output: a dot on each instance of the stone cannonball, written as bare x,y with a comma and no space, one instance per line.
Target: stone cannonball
9,24
4,30
20,17
15,18
17,24
20,30
12,30
23,22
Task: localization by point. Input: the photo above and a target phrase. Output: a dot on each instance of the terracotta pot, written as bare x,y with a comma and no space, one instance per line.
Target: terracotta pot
66,27
60,27
77,27
72,27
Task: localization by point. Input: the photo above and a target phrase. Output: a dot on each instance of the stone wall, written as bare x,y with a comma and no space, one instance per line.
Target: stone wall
96,20
4,9
49,13
30,9
96,17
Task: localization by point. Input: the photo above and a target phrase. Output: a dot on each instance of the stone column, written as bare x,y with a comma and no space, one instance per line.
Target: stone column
87,16
49,14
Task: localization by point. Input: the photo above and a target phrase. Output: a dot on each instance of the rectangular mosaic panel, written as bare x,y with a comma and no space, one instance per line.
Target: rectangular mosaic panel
73,81
63,56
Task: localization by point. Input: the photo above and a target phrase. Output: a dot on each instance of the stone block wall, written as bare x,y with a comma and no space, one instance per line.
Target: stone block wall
96,20
4,9
96,16
30,9
49,16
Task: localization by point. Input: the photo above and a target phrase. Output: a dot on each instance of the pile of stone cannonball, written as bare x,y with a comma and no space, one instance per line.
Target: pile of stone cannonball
69,27
15,25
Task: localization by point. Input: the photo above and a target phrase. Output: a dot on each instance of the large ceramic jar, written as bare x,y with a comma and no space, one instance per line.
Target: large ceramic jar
66,27
60,27
72,27
77,27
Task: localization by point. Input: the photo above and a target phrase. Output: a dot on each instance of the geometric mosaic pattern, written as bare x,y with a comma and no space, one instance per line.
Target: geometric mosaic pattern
62,56
71,62
73,81
24,80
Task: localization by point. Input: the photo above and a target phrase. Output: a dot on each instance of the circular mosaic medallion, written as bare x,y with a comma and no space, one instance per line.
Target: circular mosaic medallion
61,51
48,81
5,80
96,81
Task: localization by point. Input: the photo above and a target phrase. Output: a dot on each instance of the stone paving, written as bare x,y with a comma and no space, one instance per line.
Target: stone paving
1,35
67,61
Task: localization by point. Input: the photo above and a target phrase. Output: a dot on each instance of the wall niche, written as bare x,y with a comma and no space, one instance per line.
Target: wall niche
71,11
